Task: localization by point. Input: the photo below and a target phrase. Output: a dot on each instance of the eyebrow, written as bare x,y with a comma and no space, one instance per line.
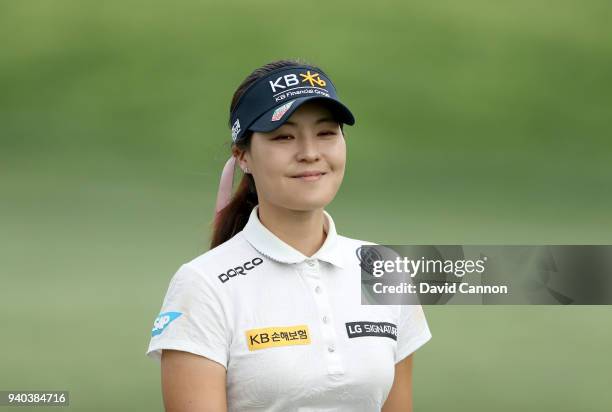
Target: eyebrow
321,120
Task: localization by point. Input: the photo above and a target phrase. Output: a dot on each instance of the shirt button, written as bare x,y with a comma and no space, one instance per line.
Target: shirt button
310,263
325,319
331,348
318,289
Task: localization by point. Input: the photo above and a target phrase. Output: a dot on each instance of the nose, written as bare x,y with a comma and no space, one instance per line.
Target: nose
308,149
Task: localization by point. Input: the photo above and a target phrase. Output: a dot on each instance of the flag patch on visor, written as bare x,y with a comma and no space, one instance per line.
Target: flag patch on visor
278,113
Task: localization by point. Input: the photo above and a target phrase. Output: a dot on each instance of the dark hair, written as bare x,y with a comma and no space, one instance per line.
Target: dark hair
234,217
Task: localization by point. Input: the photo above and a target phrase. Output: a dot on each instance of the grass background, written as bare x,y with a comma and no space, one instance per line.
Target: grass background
477,122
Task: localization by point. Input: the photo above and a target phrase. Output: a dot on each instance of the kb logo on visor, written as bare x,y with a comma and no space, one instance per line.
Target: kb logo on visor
289,80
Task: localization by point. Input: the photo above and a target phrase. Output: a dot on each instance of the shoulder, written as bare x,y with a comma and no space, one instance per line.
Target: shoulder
353,249
207,266
352,242
364,249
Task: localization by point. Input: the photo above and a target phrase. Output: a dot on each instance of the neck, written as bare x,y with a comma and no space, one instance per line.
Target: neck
305,231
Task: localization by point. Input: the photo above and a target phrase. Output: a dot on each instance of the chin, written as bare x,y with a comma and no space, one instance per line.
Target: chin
305,204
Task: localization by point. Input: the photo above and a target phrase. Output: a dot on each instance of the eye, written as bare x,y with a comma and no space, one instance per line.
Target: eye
327,133
282,137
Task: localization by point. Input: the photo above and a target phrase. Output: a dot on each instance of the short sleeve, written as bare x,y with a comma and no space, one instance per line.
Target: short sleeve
192,319
412,332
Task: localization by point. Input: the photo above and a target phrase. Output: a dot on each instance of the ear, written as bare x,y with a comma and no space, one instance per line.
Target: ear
241,157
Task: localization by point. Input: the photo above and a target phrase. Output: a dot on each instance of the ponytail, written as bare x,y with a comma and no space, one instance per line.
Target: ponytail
234,217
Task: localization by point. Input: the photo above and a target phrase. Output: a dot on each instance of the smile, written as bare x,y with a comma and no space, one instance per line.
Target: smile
310,177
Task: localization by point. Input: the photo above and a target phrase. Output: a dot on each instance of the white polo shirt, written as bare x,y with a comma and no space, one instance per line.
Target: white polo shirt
289,329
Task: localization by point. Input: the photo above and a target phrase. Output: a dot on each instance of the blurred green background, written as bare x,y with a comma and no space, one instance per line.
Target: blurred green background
477,122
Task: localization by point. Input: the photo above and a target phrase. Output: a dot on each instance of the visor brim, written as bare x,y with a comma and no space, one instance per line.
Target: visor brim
264,123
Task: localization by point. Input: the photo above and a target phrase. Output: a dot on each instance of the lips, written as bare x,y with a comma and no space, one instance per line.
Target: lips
313,173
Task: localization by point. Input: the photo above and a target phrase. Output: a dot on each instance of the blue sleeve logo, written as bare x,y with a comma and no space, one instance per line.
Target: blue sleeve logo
163,320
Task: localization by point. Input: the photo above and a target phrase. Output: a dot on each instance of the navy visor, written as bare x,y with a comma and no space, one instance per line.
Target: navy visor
271,100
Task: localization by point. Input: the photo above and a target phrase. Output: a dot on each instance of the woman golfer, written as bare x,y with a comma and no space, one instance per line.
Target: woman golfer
270,319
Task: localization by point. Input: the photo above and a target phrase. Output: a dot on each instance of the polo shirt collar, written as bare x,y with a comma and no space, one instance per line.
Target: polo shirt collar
268,244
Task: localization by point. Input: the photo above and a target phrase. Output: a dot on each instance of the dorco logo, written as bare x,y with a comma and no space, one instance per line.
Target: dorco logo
240,270
289,80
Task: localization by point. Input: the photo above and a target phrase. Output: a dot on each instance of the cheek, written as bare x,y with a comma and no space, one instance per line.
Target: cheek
268,161
337,157
268,176
271,169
